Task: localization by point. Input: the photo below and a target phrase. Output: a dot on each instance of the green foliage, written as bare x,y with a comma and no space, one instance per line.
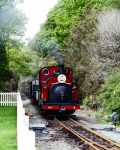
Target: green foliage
19,61
3,60
73,25
110,92
64,17
11,28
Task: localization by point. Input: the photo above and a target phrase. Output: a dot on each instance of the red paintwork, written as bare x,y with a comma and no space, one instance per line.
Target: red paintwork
43,78
58,107
47,79
74,93
44,92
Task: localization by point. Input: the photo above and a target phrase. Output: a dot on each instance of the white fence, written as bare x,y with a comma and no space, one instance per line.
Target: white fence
25,137
8,99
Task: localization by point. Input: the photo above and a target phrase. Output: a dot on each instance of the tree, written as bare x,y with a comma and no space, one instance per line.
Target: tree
11,27
109,95
74,24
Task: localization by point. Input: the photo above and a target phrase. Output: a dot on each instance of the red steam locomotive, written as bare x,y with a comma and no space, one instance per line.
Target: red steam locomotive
54,90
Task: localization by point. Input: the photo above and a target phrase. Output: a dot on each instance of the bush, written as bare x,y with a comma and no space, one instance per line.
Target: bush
110,93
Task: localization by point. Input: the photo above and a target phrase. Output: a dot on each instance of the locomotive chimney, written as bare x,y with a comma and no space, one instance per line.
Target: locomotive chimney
62,69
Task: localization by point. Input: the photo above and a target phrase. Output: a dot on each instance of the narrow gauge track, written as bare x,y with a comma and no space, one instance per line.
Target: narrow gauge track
90,138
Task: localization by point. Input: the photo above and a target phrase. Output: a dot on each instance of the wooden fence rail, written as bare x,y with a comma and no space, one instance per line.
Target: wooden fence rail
8,99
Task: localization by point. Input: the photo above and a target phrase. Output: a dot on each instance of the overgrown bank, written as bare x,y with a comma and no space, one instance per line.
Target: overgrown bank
109,95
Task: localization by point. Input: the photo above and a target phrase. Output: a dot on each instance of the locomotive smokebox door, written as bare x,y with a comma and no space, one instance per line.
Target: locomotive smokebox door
61,78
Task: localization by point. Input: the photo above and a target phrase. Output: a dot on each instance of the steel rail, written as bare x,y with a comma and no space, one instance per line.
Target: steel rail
113,144
72,125
98,146
70,130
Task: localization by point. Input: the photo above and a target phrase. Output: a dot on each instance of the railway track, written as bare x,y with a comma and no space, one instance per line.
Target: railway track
88,138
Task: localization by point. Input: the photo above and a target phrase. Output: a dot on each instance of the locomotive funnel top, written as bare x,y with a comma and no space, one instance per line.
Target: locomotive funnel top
62,69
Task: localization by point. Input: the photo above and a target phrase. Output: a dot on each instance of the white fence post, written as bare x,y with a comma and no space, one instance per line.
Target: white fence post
25,137
8,99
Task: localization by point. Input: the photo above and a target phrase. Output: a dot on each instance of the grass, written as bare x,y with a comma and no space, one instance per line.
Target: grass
8,128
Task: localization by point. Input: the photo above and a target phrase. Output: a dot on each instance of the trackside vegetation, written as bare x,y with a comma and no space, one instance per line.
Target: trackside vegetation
109,95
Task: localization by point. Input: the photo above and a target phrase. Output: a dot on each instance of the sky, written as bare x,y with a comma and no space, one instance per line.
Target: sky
36,11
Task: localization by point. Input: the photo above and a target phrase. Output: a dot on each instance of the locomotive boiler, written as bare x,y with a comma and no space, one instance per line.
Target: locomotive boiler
54,90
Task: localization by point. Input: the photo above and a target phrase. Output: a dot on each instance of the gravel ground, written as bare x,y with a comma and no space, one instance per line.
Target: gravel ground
54,140
48,138
106,130
59,145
